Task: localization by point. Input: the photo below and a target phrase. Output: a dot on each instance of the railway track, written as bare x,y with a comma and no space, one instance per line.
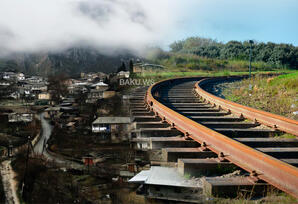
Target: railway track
228,132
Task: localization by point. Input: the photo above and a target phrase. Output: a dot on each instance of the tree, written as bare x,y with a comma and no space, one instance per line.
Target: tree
122,67
271,53
176,46
130,66
57,87
232,50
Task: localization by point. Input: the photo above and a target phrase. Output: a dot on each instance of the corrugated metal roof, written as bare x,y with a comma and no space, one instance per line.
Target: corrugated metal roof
165,176
140,177
100,84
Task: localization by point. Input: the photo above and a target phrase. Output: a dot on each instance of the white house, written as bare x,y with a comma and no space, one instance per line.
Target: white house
123,74
100,86
20,76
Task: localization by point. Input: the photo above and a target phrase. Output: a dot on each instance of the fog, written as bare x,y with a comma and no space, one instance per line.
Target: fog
109,26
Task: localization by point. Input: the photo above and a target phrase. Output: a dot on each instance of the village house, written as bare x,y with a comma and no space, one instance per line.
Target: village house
15,95
20,76
11,76
38,86
99,76
20,117
51,112
123,74
32,89
35,79
100,86
97,92
70,82
69,100
72,90
78,87
44,96
118,128
94,95
109,94
4,83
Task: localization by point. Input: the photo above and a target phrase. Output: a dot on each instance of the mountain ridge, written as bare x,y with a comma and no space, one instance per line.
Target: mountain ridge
71,62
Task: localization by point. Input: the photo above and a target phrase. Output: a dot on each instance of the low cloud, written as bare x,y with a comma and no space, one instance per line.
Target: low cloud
109,26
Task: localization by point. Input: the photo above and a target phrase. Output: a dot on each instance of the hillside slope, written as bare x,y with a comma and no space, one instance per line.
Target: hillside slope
72,62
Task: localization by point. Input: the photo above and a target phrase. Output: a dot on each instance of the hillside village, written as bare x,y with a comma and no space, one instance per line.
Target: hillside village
86,120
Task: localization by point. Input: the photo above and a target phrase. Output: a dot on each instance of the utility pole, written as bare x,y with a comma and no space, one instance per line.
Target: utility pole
26,168
250,53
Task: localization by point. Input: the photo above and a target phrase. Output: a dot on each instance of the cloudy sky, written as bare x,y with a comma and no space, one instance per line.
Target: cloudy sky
113,25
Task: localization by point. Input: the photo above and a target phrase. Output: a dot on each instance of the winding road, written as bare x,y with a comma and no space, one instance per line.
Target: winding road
46,133
8,175
41,148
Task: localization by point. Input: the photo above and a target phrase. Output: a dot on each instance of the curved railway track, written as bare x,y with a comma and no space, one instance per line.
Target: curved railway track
238,134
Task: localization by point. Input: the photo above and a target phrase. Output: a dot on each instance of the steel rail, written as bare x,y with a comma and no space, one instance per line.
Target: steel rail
260,165
269,119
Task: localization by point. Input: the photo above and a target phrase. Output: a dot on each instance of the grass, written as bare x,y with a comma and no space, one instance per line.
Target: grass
277,95
251,196
195,62
167,74
272,197
287,136
289,81
187,176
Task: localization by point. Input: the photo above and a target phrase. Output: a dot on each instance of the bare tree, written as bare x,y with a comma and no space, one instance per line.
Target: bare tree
57,86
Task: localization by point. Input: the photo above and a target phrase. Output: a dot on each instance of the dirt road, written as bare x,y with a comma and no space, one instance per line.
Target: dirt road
9,182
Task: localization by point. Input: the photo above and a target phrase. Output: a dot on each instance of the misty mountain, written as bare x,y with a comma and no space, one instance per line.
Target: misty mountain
72,62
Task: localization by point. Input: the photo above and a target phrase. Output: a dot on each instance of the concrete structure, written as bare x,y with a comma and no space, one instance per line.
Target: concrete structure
234,186
166,183
156,132
173,154
198,167
153,143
